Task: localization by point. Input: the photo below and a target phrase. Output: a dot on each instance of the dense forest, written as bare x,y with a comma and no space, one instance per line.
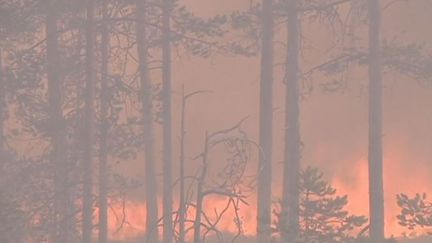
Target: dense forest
295,121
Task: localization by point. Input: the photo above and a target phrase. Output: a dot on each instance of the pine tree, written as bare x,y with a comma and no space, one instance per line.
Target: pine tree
415,212
322,215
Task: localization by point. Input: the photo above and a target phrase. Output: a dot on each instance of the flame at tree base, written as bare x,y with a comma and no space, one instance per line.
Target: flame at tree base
127,221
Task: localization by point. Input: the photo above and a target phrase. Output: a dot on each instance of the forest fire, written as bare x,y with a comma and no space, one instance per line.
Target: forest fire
280,120
353,183
357,188
127,221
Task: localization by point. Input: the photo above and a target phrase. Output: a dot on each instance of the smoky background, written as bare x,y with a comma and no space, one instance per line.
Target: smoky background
121,120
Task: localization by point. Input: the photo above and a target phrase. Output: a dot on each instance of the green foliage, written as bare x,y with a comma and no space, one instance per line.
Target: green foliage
323,217
199,36
412,60
245,26
415,212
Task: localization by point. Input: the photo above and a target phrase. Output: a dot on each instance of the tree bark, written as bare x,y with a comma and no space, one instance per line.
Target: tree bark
290,198
182,207
166,117
87,167
56,128
103,142
376,191
3,110
152,234
266,126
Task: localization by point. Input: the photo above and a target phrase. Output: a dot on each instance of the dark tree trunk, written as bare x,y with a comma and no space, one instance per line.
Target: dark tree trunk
56,129
3,110
182,207
87,167
166,117
104,125
152,234
376,191
290,198
266,126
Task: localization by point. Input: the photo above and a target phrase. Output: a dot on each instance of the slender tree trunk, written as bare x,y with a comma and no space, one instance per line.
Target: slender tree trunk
57,130
103,144
3,110
266,126
290,198
198,214
376,191
152,232
182,200
87,167
182,207
200,184
166,117
3,115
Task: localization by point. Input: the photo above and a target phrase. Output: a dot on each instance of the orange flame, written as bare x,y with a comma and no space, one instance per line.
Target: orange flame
127,221
353,182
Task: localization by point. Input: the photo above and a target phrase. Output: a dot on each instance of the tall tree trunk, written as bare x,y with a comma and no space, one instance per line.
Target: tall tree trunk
376,191
152,232
3,110
182,201
266,126
87,167
57,129
290,198
166,117
103,145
